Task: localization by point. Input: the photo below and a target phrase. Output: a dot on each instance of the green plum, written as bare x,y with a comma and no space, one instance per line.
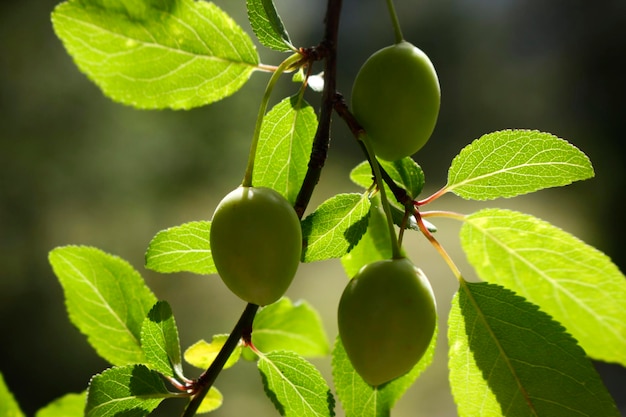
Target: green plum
256,243
387,317
396,98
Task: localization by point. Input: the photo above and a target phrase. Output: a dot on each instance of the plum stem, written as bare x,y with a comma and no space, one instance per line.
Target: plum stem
395,245
284,66
395,22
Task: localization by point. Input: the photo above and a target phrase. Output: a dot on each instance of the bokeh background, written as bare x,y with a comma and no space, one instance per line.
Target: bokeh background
76,168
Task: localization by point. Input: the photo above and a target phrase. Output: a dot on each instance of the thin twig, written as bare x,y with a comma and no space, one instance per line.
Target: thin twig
206,380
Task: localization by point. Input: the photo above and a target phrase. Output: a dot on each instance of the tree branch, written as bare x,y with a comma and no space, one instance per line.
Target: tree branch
342,110
321,141
242,329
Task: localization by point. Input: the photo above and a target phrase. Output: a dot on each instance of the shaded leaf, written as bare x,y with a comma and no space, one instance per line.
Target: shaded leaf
508,358
406,173
159,340
358,398
296,387
335,227
267,25
69,405
202,354
132,390
106,299
8,406
284,325
514,162
284,147
174,54
573,282
184,248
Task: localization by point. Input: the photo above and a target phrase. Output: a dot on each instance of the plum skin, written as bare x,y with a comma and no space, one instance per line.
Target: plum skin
396,98
256,243
387,317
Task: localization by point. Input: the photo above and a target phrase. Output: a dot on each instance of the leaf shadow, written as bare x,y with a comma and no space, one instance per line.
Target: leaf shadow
272,395
160,312
355,232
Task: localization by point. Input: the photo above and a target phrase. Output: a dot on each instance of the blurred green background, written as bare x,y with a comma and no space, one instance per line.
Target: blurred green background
76,168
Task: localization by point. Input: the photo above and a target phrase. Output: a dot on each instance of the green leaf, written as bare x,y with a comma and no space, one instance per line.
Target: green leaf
576,284
202,354
296,387
159,340
284,325
397,215
106,299
8,406
406,173
284,147
267,26
362,175
212,401
375,244
154,54
508,358
514,162
69,405
184,248
335,227
132,390
358,398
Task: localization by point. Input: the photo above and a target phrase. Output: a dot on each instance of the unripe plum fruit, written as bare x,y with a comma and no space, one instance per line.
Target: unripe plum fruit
396,98
387,317
256,243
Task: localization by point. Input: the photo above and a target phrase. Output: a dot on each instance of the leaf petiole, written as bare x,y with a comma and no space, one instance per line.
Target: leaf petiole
420,222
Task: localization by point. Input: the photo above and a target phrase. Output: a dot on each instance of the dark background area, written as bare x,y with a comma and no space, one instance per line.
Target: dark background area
76,168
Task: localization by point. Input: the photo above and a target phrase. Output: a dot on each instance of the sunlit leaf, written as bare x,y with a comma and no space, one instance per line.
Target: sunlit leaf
335,227
69,405
212,401
296,387
159,340
290,326
284,147
508,358
267,25
106,299
202,354
174,54
182,248
132,390
8,406
514,162
573,282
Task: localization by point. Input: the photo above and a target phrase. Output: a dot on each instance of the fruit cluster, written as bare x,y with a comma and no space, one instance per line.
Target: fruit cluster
387,313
